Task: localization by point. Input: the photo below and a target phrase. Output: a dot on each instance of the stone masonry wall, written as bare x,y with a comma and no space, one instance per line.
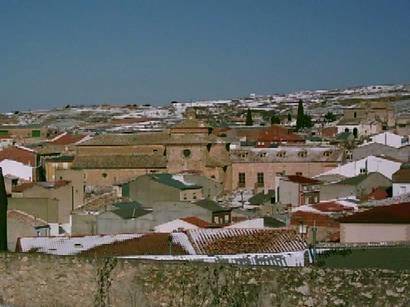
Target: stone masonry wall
39,280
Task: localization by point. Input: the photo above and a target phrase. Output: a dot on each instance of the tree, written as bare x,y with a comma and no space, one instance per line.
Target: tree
300,116
307,121
330,117
274,119
249,120
289,117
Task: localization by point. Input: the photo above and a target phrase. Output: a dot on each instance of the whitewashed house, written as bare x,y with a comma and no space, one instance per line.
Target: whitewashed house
382,165
401,180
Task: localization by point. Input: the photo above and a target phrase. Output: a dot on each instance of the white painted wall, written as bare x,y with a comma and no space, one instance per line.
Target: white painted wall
174,225
17,169
253,223
389,139
374,164
401,188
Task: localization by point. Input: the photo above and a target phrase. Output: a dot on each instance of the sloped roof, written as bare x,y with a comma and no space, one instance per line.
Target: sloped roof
261,197
402,175
147,244
302,180
312,218
393,214
19,154
67,139
67,245
46,185
360,178
195,221
331,206
128,204
130,213
151,138
228,241
119,161
169,180
211,205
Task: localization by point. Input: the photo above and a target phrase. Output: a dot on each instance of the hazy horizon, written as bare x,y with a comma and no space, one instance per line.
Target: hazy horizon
144,52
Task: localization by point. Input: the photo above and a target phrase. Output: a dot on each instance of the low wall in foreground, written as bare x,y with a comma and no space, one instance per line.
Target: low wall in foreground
41,280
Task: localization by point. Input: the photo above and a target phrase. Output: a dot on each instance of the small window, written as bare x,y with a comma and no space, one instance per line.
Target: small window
35,133
261,179
242,179
302,154
186,153
281,154
327,153
299,173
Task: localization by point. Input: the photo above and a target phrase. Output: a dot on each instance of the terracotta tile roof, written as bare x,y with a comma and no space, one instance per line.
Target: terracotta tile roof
228,241
19,154
148,244
277,133
22,187
393,214
377,194
195,221
67,139
302,180
47,185
311,219
331,206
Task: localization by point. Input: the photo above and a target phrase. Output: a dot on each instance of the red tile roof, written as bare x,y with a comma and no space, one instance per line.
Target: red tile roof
393,214
18,154
228,241
195,221
311,219
377,194
148,244
277,133
302,180
22,187
47,185
331,206
67,139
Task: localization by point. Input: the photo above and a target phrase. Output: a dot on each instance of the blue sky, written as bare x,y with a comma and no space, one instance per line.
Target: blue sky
54,53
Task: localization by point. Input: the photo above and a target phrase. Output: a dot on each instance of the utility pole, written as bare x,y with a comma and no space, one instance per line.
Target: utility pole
3,214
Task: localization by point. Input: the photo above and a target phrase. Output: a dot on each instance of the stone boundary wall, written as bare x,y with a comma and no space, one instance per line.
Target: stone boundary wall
42,280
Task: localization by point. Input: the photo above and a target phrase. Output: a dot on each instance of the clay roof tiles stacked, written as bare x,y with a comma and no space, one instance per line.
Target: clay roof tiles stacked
392,214
19,154
228,241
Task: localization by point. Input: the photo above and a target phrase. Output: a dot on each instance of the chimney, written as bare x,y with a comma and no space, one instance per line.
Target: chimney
3,214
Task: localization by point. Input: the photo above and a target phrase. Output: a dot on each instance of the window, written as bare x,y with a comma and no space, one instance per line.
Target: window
4,132
35,133
260,178
302,154
281,154
226,218
363,171
355,114
327,153
242,179
186,153
299,173
402,190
